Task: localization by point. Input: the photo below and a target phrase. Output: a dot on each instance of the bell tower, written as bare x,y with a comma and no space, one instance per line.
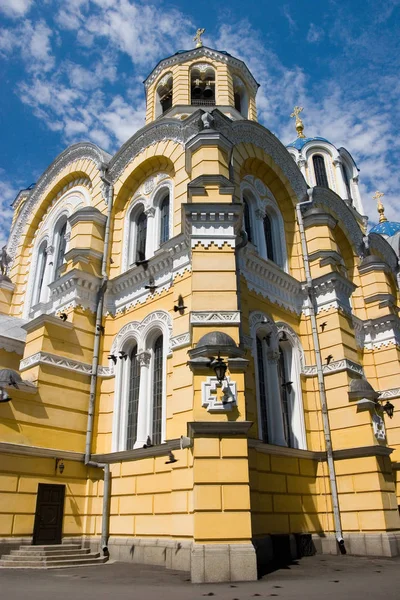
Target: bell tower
200,78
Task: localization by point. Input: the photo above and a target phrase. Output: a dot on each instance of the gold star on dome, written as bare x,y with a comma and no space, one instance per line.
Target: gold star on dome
299,123
381,209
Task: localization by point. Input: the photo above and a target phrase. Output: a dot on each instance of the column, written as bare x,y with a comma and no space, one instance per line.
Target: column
152,239
143,425
341,186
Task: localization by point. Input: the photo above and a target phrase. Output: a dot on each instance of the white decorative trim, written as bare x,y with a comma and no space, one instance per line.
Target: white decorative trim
180,341
216,224
332,291
268,279
139,330
386,394
210,397
128,289
226,317
75,288
373,334
334,367
45,358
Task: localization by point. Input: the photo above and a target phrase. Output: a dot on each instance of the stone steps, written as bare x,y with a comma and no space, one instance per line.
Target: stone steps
50,557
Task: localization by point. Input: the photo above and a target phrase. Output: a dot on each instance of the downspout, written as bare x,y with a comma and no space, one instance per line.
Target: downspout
93,376
320,376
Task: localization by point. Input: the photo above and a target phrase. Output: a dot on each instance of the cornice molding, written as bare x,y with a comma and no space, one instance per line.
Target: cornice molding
361,452
180,341
335,366
11,345
75,288
392,393
205,138
316,216
271,449
128,289
216,223
333,290
38,452
54,360
43,320
373,334
87,214
138,453
266,278
378,243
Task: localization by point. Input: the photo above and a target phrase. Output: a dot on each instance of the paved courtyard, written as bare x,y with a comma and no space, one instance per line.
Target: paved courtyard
318,577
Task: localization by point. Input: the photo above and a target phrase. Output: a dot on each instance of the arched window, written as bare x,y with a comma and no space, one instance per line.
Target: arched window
269,238
133,400
320,171
164,95
164,220
138,236
241,97
262,388
280,415
41,268
60,250
247,220
285,388
202,84
157,376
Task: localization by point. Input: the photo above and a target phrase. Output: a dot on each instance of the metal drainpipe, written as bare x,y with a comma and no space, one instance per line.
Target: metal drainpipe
320,375
93,377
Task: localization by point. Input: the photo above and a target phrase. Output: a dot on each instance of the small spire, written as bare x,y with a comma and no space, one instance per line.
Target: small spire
381,209
299,123
197,38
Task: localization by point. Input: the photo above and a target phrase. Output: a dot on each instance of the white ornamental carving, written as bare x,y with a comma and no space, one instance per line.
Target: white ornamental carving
56,361
207,318
217,398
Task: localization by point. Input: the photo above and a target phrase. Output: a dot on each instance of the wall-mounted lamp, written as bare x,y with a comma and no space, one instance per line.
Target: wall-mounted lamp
220,367
389,409
60,465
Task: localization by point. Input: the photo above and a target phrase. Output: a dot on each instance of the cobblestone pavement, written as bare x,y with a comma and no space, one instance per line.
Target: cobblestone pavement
318,577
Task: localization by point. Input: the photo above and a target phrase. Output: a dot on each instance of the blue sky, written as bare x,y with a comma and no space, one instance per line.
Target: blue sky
73,70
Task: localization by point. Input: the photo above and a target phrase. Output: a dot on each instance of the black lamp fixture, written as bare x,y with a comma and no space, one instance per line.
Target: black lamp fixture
60,465
220,367
389,409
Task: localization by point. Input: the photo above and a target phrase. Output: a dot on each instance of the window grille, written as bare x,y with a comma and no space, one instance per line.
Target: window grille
268,238
287,430
141,234
320,171
247,221
62,244
164,234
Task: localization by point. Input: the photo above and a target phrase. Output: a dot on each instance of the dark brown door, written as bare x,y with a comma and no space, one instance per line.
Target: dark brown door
49,514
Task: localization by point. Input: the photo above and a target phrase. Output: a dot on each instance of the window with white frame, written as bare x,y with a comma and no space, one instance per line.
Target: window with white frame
164,219
321,177
280,406
60,247
41,269
264,226
137,235
140,392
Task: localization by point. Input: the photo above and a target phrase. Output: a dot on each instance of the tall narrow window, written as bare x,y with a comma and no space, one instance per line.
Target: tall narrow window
141,235
133,401
320,170
62,244
268,233
247,221
157,390
42,262
262,390
164,232
347,182
285,401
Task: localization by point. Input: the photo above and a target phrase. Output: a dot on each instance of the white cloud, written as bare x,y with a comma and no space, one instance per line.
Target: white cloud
7,195
15,8
314,34
33,42
292,23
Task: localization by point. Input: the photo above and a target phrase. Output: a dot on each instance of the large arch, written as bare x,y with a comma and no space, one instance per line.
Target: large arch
45,188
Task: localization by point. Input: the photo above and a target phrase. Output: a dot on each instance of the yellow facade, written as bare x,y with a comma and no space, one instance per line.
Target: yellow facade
129,275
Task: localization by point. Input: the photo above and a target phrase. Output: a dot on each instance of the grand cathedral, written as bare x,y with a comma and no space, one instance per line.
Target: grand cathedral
199,345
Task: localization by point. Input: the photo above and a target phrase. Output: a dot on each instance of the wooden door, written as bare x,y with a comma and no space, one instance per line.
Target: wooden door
49,514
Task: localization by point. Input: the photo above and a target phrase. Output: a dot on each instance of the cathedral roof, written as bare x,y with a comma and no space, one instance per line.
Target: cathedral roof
388,228
300,142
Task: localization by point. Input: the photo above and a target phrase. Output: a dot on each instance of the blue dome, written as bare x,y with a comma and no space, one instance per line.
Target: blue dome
300,142
388,228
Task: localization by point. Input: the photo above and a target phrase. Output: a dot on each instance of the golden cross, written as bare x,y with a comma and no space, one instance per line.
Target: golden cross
197,38
381,209
378,195
299,123
296,111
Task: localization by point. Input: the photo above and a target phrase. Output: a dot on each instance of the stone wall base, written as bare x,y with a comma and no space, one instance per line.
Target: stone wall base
13,543
223,562
361,544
